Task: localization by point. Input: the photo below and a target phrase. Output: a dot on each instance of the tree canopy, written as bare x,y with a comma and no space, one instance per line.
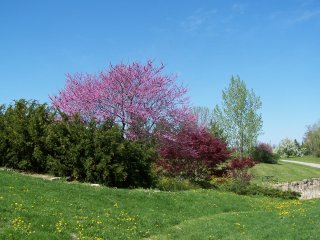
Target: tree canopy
238,116
139,97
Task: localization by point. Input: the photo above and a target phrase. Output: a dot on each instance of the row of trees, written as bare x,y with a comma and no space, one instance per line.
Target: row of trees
113,127
33,140
309,146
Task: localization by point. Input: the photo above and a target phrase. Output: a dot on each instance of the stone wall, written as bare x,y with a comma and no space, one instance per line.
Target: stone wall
309,188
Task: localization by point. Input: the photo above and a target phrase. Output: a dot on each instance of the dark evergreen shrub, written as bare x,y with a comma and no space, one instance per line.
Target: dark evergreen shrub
24,127
36,139
67,146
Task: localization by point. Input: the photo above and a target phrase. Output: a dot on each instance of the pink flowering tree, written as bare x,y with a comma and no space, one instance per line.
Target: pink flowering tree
138,97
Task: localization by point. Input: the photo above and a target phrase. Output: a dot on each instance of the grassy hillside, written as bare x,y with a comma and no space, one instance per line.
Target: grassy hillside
32,208
283,172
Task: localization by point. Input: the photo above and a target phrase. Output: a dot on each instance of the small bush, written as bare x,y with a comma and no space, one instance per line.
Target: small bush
238,163
238,181
238,169
246,188
175,184
263,153
270,192
192,153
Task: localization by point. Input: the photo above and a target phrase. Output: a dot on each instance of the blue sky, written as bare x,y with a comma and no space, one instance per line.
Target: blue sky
273,45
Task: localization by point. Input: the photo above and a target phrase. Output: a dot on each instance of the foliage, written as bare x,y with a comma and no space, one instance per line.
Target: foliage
192,153
238,174
216,130
67,144
263,153
32,139
289,148
23,128
174,184
312,139
240,178
98,153
239,181
138,97
238,163
246,188
203,116
238,116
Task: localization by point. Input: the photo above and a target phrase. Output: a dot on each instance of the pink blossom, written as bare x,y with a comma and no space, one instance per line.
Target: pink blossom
137,97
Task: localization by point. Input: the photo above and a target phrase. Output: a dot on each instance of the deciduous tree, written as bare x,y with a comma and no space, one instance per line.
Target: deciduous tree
192,153
238,116
312,139
137,97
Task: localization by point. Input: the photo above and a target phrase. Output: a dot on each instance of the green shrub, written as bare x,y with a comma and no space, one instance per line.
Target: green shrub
23,128
36,139
103,165
246,188
117,161
98,153
67,144
137,158
175,184
263,153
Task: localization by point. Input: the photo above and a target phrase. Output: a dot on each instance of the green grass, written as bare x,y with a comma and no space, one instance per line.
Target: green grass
310,159
32,208
283,172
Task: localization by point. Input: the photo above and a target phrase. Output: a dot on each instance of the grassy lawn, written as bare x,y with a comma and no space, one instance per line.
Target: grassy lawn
32,208
283,172
310,159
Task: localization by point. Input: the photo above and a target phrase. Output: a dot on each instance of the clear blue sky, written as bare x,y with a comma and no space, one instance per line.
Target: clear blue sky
274,45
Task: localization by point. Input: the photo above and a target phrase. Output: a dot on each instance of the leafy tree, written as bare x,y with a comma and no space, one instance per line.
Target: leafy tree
238,116
137,97
312,139
216,130
289,148
193,153
203,116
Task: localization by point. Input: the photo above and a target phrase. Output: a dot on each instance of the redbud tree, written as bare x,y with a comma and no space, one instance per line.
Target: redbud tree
138,97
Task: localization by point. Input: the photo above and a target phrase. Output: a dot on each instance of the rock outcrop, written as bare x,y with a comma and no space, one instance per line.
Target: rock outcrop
309,188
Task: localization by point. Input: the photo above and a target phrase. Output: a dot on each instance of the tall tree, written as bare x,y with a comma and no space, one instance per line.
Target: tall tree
238,116
203,116
138,97
312,139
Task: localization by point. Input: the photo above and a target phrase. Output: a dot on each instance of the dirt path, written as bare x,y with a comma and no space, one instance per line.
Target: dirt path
315,165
